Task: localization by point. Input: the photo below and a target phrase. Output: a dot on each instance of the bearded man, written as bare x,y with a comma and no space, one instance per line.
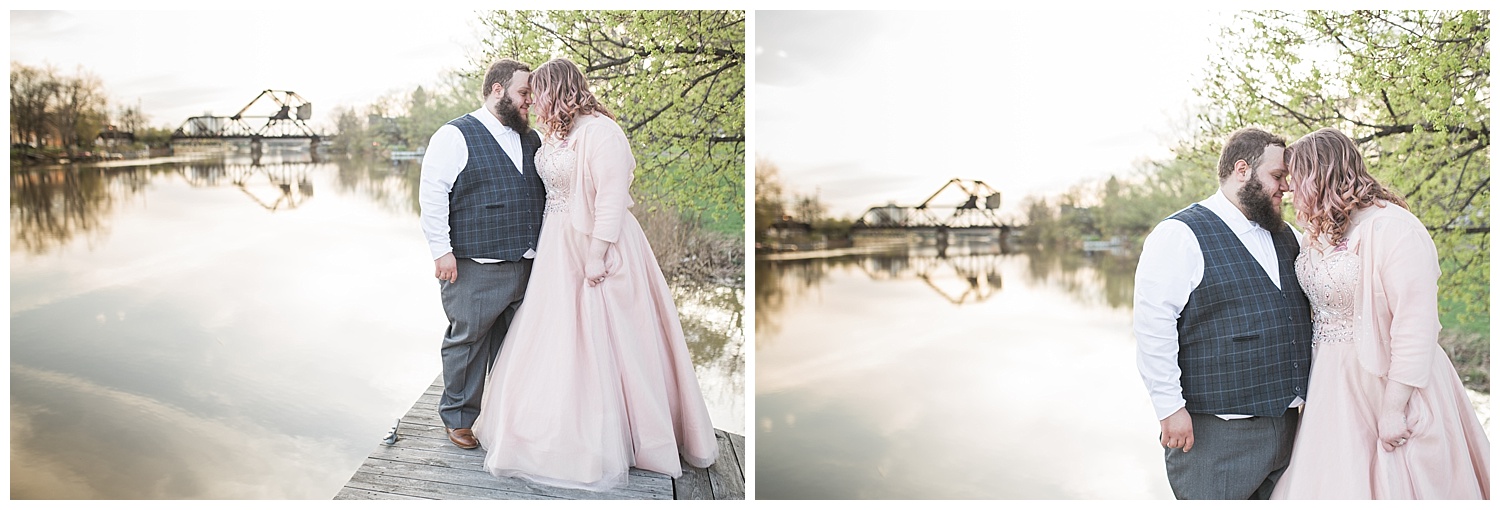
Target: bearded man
481,200
1223,330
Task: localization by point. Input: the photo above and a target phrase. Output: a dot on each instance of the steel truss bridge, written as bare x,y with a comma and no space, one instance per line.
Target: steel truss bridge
285,121
959,204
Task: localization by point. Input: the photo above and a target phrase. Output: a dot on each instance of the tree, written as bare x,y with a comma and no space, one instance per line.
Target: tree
427,110
675,79
1411,87
130,118
769,203
31,93
79,109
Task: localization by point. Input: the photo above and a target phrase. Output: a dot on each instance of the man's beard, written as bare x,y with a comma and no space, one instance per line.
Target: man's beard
1259,207
512,117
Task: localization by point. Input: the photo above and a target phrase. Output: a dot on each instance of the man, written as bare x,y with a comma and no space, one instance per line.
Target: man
1223,331
481,201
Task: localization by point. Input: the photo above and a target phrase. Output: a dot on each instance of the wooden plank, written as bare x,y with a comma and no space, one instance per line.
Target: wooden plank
726,477
350,493
428,489
739,452
441,453
693,484
523,489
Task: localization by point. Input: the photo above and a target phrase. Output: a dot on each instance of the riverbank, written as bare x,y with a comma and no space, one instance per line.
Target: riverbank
833,252
184,158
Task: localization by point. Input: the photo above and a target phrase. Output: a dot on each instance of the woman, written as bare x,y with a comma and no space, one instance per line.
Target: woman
594,376
1387,416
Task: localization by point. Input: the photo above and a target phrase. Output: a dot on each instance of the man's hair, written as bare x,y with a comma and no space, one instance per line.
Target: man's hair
501,72
1248,144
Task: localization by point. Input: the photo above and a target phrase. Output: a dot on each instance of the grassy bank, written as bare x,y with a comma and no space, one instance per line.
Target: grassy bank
1468,345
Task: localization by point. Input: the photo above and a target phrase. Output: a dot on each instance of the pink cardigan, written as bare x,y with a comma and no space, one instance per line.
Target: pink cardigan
1397,318
606,167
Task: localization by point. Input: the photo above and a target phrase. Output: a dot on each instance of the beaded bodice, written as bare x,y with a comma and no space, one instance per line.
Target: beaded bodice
556,163
1331,281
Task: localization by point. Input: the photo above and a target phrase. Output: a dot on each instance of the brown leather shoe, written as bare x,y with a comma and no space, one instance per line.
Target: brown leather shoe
464,438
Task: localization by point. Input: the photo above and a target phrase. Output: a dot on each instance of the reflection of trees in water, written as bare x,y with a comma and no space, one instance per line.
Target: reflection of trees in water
49,207
1098,278
392,185
960,274
713,320
778,282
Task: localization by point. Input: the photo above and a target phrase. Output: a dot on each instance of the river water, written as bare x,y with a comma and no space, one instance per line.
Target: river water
238,329
967,374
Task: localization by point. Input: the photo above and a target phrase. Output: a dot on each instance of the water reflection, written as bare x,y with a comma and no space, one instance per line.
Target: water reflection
274,186
238,328
49,207
970,372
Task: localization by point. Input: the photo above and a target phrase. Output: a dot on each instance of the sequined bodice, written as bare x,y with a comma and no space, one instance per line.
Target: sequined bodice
556,163
1330,281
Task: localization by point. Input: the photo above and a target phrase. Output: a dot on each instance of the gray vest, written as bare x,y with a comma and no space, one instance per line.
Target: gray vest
1245,345
495,210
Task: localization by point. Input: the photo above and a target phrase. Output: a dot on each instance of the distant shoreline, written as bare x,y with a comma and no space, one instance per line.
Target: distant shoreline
837,252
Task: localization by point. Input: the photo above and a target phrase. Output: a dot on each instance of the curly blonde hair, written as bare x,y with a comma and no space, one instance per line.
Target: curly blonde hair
1331,183
561,95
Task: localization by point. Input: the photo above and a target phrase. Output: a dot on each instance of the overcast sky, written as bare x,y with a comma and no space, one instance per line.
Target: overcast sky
181,63
866,108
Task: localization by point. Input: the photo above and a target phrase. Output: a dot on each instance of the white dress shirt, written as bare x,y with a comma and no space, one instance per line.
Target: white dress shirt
447,153
1170,268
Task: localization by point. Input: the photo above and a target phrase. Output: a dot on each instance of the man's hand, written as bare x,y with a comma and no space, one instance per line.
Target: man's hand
1177,431
447,268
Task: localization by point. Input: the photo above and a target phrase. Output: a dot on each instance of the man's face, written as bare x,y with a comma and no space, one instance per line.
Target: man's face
520,90
1262,195
513,104
1272,174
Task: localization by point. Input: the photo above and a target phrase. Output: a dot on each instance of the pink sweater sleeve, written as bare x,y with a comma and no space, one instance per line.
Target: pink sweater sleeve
612,168
1407,264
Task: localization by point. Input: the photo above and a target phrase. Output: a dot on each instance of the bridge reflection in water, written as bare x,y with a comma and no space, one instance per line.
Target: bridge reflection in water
961,274
985,380
274,183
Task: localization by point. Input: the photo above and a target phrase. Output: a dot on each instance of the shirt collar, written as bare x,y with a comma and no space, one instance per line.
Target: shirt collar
487,118
1233,217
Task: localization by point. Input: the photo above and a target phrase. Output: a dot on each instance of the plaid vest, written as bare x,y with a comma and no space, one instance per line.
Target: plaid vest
1244,345
494,210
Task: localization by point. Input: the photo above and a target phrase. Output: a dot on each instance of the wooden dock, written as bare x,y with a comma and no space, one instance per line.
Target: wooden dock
422,464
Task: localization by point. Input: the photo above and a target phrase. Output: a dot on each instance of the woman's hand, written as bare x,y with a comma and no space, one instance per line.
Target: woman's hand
594,270
1393,430
1391,423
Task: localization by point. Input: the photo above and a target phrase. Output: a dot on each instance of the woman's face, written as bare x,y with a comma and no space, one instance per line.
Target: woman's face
1300,179
541,100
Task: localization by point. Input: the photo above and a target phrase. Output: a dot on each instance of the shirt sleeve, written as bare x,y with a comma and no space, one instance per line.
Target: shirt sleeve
1407,264
445,158
612,167
1170,267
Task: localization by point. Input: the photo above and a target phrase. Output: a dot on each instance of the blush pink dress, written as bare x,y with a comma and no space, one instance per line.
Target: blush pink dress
1375,308
591,381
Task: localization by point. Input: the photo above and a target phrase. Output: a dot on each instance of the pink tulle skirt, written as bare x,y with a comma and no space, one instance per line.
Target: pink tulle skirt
1337,454
594,380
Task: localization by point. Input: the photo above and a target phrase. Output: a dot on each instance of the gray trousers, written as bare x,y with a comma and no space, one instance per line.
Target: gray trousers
480,307
1233,459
